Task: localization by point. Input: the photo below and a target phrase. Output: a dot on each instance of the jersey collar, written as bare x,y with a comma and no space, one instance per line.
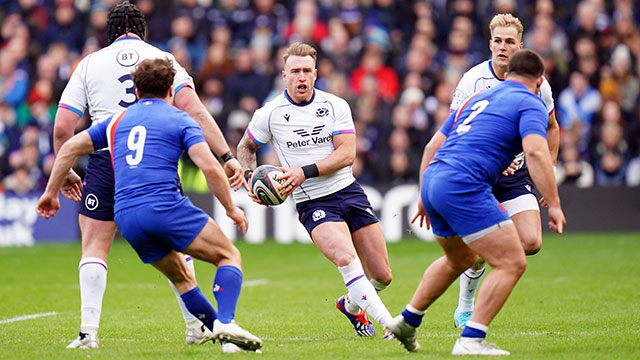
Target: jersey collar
127,36
286,95
493,72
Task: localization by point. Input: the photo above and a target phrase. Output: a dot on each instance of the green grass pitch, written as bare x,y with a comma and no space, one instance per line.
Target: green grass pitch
578,299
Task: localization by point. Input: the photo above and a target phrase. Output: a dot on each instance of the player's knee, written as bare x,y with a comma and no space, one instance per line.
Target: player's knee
518,266
532,245
228,255
342,258
382,281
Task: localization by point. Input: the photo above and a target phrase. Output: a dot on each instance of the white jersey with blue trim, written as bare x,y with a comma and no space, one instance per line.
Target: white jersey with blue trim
102,80
482,77
302,134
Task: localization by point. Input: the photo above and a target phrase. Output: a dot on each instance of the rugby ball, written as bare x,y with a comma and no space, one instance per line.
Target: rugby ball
266,186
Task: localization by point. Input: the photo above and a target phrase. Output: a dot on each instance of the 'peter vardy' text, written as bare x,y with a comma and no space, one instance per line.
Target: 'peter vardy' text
307,142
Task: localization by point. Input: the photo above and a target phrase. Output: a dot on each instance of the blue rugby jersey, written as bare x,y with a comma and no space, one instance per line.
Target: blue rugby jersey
146,141
486,132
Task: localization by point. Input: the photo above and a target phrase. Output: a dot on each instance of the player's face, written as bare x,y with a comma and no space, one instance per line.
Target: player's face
504,42
300,75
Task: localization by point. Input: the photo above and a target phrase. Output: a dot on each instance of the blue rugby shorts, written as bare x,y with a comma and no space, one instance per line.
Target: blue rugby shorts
161,225
349,205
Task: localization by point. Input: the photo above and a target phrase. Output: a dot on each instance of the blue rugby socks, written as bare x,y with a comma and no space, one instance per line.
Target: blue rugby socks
199,306
474,330
412,316
226,289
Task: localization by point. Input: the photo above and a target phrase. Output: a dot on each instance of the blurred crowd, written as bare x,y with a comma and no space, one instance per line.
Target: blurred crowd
396,63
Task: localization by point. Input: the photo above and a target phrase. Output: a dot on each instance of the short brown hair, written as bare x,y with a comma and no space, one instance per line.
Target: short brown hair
526,63
300,49
153,78
506,20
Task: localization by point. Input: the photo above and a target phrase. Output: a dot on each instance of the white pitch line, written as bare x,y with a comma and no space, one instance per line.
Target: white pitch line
255,282
27,317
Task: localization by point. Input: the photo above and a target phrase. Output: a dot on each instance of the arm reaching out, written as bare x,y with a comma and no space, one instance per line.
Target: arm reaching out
186,99
217,182
429,152
80,144
343,155
536,151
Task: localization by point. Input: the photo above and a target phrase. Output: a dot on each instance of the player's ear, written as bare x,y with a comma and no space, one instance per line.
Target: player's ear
137,93
521,45
284,75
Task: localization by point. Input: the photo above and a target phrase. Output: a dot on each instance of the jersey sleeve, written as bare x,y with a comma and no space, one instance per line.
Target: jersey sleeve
258,129
191,133
98,133
462,92
446,127
547,96
343,120
533,117
182,78
74,96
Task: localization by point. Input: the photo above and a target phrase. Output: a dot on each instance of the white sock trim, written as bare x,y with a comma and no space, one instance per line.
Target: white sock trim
92,260
377,285
352,266
411,309
475,325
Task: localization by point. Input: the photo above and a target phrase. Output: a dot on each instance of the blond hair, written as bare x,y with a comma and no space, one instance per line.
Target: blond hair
506,20
300,49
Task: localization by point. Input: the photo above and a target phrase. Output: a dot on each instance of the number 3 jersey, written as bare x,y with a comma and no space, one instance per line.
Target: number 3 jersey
487,130
102,80
146,141
302,134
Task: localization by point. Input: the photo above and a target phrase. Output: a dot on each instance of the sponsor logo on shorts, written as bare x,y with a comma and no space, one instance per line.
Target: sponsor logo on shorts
91,202
318,215
528,187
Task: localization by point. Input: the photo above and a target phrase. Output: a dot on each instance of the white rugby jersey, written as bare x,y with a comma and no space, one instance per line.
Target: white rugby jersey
302,134
482,77
102,80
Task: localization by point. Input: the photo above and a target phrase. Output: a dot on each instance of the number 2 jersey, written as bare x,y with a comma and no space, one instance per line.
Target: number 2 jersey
146,141
487,130
102,80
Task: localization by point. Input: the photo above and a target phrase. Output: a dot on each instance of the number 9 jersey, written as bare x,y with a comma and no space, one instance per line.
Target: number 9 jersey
102,80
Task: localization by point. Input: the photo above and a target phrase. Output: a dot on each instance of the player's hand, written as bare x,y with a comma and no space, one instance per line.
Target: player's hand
511,169
239,219
48,205
293,177
422,214
234,172
556,219
251,194
72,186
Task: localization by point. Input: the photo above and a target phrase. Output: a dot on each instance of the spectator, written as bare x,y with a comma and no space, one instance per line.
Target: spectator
577,105
372,63
246,81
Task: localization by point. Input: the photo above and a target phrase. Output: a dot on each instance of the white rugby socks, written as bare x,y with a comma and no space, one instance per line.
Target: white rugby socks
362,292
469,283
92,273
188,317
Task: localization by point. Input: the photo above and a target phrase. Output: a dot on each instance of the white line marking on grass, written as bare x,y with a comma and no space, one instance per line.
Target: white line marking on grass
27,317
255,282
